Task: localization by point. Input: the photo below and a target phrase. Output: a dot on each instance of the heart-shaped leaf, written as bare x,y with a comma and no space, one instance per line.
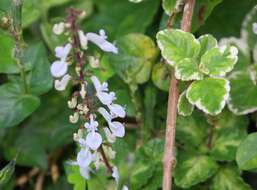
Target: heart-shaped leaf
216,62
209,95
207,42
246,156
176,45
184,106
243,85
168,6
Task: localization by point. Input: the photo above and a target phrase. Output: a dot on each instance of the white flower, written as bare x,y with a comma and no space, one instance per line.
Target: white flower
60,85
83,39
255,28
110,137
84,157
115,174
101,42
93,139
73,102
102,91
83,91
117,110
116,127
63,52
58,28
84,172
59,68
74,118
125,187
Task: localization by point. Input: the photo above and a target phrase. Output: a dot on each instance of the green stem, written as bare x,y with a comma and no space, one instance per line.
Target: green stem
16,31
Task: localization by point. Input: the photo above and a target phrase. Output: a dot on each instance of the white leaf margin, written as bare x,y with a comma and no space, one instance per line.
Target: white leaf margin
180,112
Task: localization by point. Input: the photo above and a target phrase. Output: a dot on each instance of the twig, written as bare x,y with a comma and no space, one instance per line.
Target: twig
106,162
169,157
22,180
16,31
40,181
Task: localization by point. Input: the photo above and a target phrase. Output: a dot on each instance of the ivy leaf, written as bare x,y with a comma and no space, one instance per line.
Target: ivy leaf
242,82
184,107
216,62
193,169
136,56
15,106
192,130
187,69
168,6
209,94
176,45
228,178
246,156
207,42
161,76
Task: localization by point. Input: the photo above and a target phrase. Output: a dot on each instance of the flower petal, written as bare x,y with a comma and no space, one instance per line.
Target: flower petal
59,28
115,173
96,83
62,52
84,158
105,114
60,85
84,172
83,39
59,68
105,98
110,137
118,110
117,128
93,140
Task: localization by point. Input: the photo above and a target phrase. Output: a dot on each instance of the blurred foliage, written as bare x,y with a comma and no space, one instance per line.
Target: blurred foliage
212,151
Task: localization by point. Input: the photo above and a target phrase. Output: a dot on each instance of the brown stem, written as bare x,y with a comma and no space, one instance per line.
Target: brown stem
169,157
106,162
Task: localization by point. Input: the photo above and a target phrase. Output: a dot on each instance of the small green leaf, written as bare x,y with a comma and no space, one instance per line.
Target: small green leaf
75,178
187,69
184,107
193,169
192,130
216,62
246,155
209,94
228,178
176,45
168,6
7,172
15,106
243,82
136,56
161,76
207,42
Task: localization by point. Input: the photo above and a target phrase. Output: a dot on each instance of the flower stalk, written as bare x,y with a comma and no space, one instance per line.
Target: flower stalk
169,149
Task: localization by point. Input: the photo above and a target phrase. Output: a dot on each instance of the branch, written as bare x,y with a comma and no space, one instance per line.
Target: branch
16,31
169,157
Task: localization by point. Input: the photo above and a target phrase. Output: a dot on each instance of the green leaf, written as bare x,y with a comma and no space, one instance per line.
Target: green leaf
216,62
209,95
140,174
228,178
75,178
7,172
184,107
40,79
193,169
161,76
176,45
207,42
136,56
243,82
30,12
226,142
187,69
168,6
246,156
192,130
15,106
